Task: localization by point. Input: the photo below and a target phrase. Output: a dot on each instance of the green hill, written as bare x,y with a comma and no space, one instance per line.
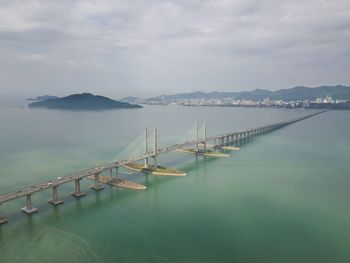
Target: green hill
84,101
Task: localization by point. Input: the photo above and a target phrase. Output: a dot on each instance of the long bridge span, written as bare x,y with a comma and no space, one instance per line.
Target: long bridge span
219,140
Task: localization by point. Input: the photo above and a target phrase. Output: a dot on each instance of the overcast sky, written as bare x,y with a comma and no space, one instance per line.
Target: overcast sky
152,47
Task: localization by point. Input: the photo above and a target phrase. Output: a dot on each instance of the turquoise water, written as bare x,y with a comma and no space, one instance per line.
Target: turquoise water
284,197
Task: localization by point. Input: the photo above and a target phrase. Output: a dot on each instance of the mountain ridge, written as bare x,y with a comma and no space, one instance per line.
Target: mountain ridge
295,93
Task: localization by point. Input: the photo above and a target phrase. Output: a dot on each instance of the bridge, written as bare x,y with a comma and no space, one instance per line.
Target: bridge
219,141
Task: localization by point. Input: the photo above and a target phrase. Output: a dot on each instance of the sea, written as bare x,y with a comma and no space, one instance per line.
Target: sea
283,197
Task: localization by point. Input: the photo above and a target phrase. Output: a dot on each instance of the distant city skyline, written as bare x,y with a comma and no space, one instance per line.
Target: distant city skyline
148,48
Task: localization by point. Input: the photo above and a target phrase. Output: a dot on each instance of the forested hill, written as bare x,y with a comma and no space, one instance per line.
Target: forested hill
84,101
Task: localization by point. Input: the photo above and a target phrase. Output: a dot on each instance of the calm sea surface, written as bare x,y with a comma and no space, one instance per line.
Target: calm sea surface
284,197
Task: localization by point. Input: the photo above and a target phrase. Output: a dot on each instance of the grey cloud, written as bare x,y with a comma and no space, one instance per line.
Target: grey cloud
145,48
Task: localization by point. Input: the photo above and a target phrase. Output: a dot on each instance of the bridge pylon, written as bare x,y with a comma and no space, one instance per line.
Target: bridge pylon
196,137
146,147
155,164
205,136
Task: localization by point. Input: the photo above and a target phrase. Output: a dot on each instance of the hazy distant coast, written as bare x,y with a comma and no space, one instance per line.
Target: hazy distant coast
324,97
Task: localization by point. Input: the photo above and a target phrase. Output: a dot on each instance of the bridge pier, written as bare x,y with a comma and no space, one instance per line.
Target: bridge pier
29,209
110,173
77,192
96,185
117,172
54,200
3,220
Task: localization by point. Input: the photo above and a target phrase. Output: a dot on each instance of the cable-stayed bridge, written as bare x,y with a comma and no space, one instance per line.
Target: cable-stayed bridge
219,141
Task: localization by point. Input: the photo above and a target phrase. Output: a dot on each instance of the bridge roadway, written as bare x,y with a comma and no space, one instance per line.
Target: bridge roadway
237,136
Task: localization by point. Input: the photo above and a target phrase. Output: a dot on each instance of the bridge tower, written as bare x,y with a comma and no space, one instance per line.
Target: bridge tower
146,147
205,136
197,135
155,148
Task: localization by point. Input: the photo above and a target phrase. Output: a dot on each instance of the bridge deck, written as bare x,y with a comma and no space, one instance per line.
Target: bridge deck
29,190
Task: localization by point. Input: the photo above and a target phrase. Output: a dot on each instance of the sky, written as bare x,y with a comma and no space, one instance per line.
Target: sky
150,47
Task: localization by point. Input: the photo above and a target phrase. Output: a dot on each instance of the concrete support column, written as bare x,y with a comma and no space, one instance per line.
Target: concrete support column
55,200
77,192
96,185
146,147
29,209
2,219
110,173
117,172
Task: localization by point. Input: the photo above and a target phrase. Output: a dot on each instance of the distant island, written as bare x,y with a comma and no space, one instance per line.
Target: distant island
41,98
330,97
84,101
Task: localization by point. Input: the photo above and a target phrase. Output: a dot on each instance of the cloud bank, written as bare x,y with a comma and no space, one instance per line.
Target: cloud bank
145,48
